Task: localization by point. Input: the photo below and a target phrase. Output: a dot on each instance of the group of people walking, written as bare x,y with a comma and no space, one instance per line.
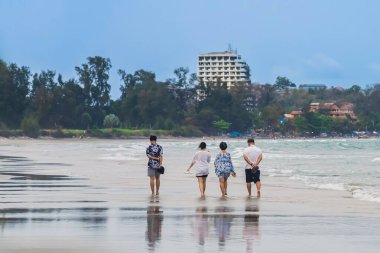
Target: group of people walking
223,166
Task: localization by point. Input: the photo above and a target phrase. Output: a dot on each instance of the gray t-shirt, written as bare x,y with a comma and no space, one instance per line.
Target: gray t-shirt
202,159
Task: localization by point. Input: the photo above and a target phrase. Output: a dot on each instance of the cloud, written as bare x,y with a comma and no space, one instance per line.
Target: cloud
323,68
323,62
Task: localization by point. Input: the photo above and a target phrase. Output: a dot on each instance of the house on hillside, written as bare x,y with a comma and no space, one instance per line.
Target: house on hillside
313,86
334,111
293,114
343,112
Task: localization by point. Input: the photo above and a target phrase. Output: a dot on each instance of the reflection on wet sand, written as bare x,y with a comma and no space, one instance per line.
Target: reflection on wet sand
251,230
13,217
224,218
223,222
200,225
154,221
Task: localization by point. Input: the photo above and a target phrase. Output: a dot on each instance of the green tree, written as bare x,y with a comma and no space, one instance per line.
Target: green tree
282,83
94,76
111,121
147,102
70,103
183,90
43,98
180,79
221,126
301,124
271,114
14,91
86,120
30,127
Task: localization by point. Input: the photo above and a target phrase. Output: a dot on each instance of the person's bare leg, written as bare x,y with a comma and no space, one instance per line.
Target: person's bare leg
258,186
225,185
204,185
200,183
249,189
152,184
222,186
157,185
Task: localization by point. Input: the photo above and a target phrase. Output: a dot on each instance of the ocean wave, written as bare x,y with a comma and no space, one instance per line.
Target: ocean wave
329,186
119,157
376,159
275,172
316,182
364,194
287,155
237,153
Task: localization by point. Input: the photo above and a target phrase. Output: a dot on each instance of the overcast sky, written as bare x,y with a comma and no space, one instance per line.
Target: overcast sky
335,42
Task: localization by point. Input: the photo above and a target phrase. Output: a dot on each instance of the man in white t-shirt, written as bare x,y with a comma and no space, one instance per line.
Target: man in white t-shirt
252,156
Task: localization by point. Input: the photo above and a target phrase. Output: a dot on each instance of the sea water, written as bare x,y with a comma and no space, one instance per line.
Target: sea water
338,164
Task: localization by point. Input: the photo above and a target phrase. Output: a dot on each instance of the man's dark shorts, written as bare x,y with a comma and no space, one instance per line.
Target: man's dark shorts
252,175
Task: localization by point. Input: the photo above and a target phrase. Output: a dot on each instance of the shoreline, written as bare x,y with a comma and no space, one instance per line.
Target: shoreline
136,134
316,201
169,137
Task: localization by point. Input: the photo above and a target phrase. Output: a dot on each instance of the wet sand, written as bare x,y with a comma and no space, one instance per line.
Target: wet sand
93,196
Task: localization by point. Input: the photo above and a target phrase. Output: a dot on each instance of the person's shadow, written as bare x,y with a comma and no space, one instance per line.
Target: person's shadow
251,231
154,221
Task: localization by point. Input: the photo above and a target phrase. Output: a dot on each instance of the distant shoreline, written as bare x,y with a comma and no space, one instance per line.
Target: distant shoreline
136,134
168,137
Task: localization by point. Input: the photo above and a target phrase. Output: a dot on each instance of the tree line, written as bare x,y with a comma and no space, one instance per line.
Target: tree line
181,104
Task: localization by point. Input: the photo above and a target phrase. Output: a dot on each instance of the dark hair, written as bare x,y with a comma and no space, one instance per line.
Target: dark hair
153,138
251,140
223,145
202,145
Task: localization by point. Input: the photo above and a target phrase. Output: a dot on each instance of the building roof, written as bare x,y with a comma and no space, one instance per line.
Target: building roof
312,85
337,113
296,113
330,106
218,53
346,107
289,116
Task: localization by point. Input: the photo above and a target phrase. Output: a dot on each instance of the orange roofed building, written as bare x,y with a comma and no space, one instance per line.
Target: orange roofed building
334,111
293,114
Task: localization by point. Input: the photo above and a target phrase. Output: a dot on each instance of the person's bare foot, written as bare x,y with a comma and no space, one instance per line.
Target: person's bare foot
258,194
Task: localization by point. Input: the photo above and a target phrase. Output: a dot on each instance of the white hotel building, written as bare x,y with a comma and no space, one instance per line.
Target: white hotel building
226,66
